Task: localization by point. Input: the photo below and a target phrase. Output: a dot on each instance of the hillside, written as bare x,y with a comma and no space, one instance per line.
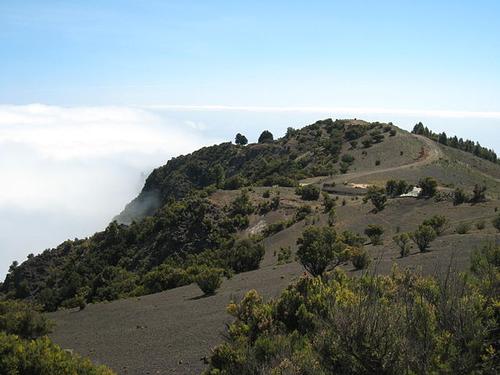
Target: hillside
240,209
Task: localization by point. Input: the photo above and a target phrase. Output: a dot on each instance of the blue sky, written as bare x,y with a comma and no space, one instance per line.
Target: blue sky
94,94
398,54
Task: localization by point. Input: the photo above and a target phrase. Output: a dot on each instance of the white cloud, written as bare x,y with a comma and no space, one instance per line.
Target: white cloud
94,132
359,111
65,172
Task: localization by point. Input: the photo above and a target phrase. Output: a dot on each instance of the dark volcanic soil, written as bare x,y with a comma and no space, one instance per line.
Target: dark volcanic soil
164,333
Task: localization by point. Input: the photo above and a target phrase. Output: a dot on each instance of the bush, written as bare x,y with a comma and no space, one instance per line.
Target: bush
23,319
284,255
165,277
372,324
367,143
360,258
209,280
320,249
375,232
392,132
459,197
395,188
41,357
332,216
266,193
481,224
241,139
245,256
235,182
496,222
302,212
266,137
423,237
308,192
403,242
428,186
347,158
377,197
438,223
479,194
328,202
463,228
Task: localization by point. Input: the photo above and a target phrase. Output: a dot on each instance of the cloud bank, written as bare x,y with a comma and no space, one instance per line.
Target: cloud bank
66,172
360,111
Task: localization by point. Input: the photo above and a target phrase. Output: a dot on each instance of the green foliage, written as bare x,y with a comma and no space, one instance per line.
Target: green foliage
479,194
464,145
332,216
241,139
347,158
463,228
284,255
496,222
377,197
302,212
360,258
165,277
394,188
235,182
375,233
328,202
481,224
438,223
423,237
320,249
399,324
41,357
428,186
402,240
23,319
245,255
265,137
459,197
308,192
209,280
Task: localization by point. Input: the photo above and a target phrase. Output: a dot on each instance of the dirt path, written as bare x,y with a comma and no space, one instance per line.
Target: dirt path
432,153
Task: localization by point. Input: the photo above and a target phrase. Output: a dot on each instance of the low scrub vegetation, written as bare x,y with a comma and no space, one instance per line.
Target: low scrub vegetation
404,323
25,349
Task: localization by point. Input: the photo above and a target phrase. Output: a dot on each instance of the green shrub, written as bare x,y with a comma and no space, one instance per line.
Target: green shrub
481,224
245,256
284,255
209,280
496,222
266,193
328,202
235,182
423,237
377,197
347,158
360,258
41,357
23,319
265,137
438,223
459,197
165,277
302,212
308,192
428,186
463,228
364,325
375,232
320,249
403,242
